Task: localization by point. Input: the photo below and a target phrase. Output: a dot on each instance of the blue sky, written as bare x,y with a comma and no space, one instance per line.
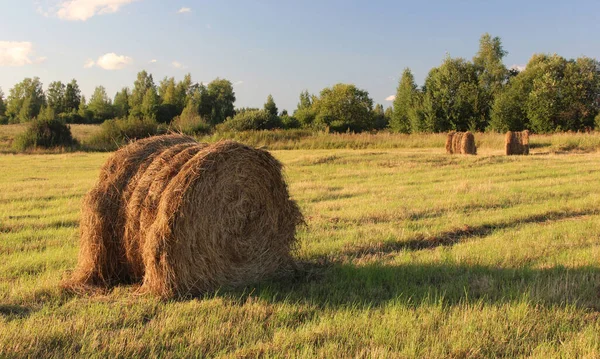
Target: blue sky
278,47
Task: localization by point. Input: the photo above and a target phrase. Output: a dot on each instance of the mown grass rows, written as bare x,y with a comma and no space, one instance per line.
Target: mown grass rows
406,253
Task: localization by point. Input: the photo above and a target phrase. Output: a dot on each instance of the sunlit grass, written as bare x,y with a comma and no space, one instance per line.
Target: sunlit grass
408,253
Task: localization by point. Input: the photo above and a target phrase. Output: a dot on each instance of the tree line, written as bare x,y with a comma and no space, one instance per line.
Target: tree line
551,94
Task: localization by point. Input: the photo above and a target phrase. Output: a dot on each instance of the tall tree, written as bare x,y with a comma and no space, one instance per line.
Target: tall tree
150,103
305,100
222,98
452,99
3,119
100,105
270,106
72,97
403,103
142,84
183,90
167,91
380,121
121,103
55,96
25,100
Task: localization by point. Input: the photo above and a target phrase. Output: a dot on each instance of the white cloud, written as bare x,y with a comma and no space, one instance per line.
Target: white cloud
238,83
18,53
110,61
178,65
390,98
89,63
184,10
153,61
518,67
81,10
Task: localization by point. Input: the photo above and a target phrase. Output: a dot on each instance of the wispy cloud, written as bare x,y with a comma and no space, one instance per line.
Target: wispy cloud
110,61
390,98
237,83
81,10
153,61
184,10
178,65
89,63
209,26
18,53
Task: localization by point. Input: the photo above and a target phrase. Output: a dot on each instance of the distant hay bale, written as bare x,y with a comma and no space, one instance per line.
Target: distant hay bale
461,143
517,143
187,219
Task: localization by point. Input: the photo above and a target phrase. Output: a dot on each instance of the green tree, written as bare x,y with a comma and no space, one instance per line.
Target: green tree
25,100
305,100
142,84
344,107
100,105
222,98
150,104
55,96
72,97
403,103
270,106
121,103
183,90
380,121
452,99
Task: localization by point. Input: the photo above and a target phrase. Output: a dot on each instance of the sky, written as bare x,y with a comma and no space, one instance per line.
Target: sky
276,47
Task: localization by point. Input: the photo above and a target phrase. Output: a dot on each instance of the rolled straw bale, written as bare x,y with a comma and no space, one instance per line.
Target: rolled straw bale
102,254
461,143
225,219
517,143
467,144
190,218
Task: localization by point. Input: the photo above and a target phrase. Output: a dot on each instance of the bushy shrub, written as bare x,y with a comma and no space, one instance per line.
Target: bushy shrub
289,122
45,133
190,125
117,132
251,120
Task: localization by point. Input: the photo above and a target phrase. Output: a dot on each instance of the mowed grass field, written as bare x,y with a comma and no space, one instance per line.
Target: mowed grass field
407,253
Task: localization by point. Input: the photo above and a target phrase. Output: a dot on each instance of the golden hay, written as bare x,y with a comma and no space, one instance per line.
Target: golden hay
187,219
461,143
517,143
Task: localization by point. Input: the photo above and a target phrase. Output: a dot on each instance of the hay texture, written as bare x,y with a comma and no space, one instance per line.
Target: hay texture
461,143
517,143
183,218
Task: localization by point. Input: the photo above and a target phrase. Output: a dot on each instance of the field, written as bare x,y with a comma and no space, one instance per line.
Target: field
407,253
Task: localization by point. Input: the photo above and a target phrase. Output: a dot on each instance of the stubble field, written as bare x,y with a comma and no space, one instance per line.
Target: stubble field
406,253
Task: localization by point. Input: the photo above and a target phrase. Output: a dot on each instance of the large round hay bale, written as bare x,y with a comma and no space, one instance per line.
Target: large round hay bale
225,219
102,254
184,218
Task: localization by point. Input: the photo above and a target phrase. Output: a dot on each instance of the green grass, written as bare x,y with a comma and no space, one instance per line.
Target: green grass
409,253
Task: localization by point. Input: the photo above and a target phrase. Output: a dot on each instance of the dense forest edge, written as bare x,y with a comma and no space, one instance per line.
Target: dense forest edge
551,94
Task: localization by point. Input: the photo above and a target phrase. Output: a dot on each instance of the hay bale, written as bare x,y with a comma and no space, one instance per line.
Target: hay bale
102,254
517,143
225,219
461,143
467,144
190,218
